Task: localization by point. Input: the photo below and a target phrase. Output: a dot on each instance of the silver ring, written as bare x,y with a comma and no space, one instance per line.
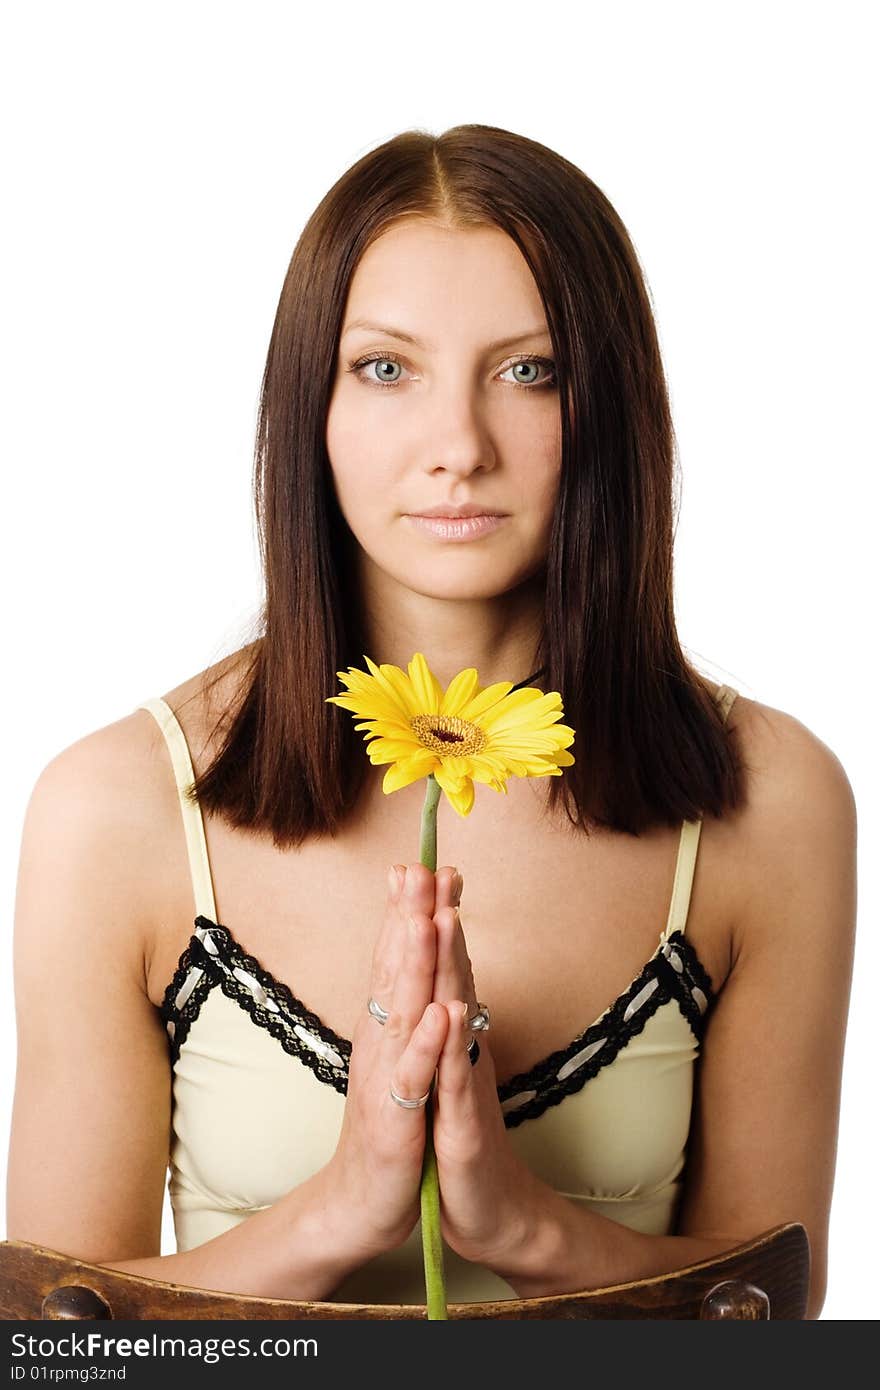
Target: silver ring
377,1012
410,1104
477,1024
473,1051
480,1021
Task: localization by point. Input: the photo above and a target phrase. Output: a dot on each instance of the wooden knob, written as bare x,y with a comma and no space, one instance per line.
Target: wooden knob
734,1298
74,1301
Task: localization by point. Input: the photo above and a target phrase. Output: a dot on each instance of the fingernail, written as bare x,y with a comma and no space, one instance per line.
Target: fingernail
393,881
457,886
464,1013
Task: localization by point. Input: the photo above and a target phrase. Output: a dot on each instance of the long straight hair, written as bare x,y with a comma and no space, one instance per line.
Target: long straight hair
650,745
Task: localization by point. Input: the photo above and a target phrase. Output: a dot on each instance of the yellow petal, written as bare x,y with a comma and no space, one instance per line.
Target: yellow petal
447,777
485,700
460,690
519,709
462,801
385,750
371,700
482,770
402,773
395,685
389,728
425,686
403,686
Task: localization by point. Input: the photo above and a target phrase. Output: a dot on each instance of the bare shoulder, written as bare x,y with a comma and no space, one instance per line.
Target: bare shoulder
782,752
109,801
799,820
97,824
106,784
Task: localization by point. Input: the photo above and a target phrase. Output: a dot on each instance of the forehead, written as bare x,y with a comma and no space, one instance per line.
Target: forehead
434,279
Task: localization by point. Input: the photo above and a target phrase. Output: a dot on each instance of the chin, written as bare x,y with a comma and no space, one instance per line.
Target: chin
465,589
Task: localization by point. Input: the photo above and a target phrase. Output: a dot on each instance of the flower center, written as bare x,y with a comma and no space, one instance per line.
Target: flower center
448,735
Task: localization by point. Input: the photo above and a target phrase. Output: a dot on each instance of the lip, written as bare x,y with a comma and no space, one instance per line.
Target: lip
448,510
462,528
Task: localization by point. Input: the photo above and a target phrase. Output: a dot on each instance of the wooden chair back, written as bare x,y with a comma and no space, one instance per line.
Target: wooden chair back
767,1277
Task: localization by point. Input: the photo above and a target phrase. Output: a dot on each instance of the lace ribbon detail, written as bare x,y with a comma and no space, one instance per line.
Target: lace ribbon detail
213,957
674,972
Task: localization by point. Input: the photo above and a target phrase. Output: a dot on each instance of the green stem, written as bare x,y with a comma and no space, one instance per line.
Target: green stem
429,1191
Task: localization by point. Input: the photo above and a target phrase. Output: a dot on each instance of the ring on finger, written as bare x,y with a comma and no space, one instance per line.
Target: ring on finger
377,1012
480,1021
411,1104
473,1051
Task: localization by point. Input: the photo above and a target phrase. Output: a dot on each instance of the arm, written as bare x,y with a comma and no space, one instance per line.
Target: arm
295,1249
91,1116
764,1130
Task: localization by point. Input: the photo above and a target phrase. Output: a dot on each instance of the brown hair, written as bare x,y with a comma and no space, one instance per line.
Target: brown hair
650,746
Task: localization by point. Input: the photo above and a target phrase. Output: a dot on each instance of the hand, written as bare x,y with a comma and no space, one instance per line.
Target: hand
376,1169
490,1200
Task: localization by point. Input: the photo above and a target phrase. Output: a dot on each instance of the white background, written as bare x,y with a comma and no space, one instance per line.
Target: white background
159,165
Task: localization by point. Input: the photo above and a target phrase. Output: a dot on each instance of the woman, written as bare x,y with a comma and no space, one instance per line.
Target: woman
464,327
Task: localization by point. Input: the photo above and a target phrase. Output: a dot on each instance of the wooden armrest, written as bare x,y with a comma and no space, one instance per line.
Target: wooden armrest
766,1277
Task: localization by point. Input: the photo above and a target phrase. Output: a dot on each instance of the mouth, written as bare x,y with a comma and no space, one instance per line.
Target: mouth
458,528
448,511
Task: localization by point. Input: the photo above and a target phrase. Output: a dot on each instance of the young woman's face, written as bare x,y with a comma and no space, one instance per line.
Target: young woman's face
457,417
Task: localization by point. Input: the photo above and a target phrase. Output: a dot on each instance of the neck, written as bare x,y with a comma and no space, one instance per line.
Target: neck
499,637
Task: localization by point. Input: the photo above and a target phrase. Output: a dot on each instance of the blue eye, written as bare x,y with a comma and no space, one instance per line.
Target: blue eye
384,380
532,362
529,366
386,360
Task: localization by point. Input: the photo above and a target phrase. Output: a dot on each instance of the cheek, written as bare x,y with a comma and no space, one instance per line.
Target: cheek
356,470
364,487
552,492
538,488
535,460
551,474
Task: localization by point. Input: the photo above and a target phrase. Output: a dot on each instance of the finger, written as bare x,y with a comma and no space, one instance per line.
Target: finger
449,886
415,899
456,1079
453,976
419,889
410,888
413,988
414,1071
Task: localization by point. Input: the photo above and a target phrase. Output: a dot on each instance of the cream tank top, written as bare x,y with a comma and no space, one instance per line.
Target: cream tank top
259,1083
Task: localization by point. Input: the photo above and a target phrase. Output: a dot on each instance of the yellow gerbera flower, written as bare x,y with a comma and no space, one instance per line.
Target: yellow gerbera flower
467,734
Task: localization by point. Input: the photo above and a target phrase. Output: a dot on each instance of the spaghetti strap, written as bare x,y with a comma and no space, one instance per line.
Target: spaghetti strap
725,697
193,823
688,844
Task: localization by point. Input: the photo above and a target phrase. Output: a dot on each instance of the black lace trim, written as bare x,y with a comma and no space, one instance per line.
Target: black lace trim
616,1031
280,1025
182,1018
695,976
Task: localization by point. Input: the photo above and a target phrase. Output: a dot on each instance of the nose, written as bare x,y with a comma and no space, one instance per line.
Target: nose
457,439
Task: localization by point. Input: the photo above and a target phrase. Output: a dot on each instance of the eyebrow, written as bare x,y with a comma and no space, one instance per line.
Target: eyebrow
404,337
